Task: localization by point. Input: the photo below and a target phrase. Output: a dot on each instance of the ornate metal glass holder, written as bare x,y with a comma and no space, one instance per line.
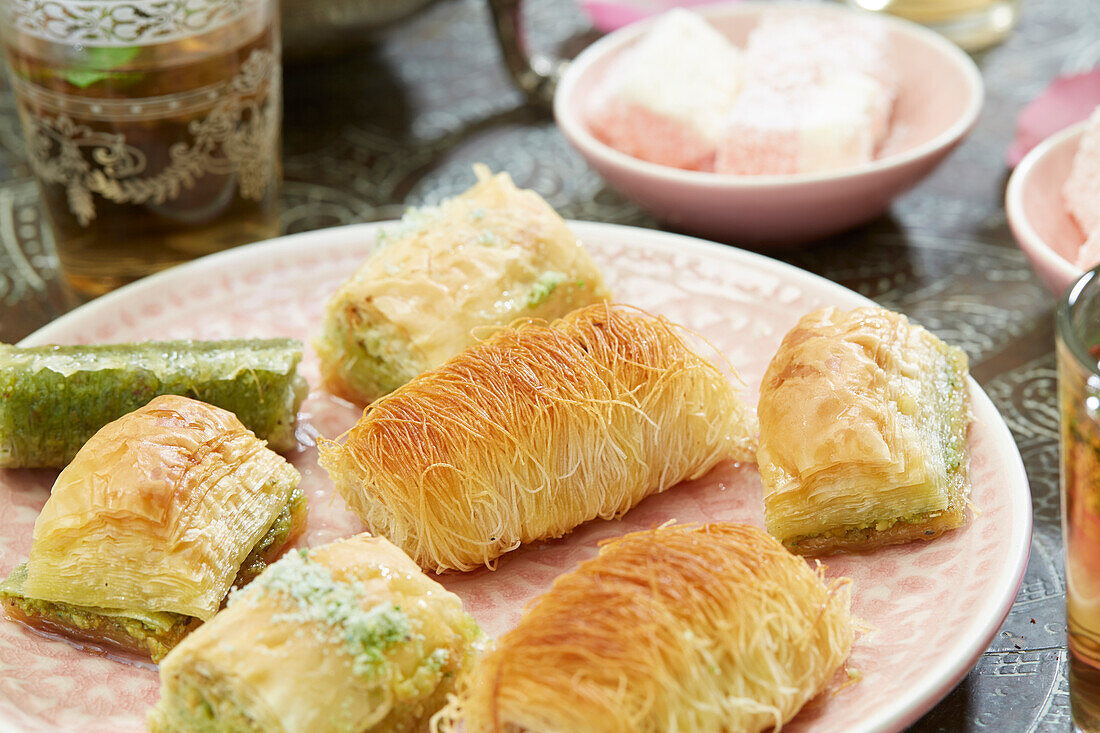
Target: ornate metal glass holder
152,127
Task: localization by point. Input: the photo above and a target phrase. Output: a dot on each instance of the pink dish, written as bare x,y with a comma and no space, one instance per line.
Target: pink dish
1037,212
1068,100
939,97
934,606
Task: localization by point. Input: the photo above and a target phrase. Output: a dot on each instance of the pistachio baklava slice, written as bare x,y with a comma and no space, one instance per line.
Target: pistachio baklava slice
349,636
144,533
484,258
55,398
863,433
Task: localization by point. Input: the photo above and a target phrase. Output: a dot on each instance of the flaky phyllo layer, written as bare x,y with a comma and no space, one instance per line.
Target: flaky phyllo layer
153,521
349,636
484,258
134,629
863,433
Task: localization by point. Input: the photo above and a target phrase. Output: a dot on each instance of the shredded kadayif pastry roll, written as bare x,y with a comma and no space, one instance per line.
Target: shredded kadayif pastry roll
350,636
485,258
146,530
536,430
863,433
714,628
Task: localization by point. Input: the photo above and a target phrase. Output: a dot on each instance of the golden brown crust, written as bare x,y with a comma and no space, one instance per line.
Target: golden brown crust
158,511
536,430
483,258
687,628
863,433
351,636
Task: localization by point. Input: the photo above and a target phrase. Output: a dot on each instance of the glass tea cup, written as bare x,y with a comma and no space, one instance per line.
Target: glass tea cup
152,128
1078,353
973,24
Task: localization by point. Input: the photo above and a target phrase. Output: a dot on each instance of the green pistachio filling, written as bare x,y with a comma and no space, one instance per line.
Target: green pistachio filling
375,359
53,399
865,530
274,540
154,631
201,705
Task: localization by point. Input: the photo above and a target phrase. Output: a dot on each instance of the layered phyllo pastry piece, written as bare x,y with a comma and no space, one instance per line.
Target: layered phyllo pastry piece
144,533
350,636
56,397
863,433
484,258
534,431
713,628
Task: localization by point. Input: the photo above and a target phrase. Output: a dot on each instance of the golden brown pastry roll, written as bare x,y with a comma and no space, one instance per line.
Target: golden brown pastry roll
863,433
536,430
484,258
714,628
155,518
350,636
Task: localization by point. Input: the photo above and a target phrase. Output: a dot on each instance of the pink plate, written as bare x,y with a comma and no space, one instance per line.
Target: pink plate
934,607
939,98
1037,212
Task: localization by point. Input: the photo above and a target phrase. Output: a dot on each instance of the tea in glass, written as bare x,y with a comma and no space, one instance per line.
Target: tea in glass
973,24
1078,350
153,131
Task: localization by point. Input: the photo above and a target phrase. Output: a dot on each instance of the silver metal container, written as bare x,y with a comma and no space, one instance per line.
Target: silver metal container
314,28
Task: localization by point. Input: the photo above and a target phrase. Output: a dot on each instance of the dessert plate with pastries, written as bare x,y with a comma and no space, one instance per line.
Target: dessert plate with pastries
482,469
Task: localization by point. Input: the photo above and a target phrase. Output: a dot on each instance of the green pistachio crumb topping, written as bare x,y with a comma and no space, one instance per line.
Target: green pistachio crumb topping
437,659
367,633
415,219
544,287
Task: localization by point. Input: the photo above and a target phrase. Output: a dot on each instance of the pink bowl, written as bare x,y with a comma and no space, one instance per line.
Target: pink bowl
1037,213
939,99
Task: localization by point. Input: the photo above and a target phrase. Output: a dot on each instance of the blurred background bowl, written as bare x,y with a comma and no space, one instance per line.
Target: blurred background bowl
1037,213
319,28
939,99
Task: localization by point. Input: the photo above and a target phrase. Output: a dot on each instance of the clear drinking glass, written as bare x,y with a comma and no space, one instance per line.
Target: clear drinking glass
1078,347
973,24
152,127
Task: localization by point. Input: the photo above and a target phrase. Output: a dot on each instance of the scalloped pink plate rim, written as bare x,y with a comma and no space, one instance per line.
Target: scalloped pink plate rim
727,272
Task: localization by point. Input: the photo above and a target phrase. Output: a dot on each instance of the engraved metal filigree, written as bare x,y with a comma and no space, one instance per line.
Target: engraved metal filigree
239,136
120,22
